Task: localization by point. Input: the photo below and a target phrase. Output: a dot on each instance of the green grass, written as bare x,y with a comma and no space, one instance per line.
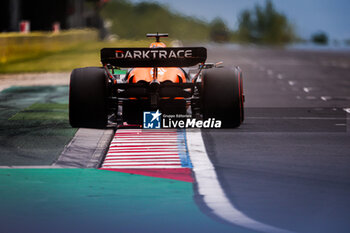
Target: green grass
34,126
18,46
43,111
54,53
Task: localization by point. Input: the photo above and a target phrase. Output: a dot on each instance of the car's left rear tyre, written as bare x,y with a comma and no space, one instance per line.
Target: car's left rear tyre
88,94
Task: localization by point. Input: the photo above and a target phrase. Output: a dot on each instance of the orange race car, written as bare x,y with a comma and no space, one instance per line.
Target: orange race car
155,80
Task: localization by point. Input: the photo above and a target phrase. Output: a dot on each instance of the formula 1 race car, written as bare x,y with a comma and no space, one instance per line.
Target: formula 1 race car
156,80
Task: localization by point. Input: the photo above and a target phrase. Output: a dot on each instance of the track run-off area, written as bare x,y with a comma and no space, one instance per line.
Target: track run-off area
286,169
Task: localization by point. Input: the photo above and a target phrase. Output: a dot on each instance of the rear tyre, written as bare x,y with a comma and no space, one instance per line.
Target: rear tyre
240,80
88,94
222,96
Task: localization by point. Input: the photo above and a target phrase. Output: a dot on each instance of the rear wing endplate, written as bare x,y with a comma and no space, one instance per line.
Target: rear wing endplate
153,57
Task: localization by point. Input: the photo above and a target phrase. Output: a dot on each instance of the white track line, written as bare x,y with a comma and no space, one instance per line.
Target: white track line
142,160
142,144
138,136
149,156
291,83
156,147
142,153
147,149
209,187
347,110
143,163
125,167
146,140
147,133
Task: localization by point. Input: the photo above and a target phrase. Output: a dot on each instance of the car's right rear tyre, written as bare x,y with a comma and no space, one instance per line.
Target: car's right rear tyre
222,96
88,94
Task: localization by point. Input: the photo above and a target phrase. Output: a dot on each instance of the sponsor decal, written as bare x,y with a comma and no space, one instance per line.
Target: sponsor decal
153,54
156,120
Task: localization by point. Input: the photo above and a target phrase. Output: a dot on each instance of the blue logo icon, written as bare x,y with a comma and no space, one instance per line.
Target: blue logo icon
151,120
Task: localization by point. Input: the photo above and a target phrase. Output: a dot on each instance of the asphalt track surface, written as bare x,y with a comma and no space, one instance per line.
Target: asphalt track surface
288,165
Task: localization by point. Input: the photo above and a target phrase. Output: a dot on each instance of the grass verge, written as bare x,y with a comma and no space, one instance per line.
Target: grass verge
44,52
34,125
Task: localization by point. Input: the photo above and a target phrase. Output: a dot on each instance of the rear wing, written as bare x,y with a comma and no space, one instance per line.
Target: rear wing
153,57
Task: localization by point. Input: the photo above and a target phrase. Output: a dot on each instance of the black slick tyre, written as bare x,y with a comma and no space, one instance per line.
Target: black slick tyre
222,96
88,94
